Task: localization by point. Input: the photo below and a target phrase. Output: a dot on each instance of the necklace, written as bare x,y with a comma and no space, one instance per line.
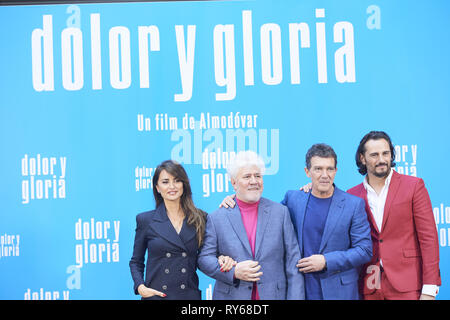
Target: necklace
177,220
177,225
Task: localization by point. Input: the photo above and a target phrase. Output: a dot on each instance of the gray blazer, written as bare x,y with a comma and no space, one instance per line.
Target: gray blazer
276,250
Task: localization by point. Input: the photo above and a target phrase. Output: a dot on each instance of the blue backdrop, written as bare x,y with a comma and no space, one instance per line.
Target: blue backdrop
95,96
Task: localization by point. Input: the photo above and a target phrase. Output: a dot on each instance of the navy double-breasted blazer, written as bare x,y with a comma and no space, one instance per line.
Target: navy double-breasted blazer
171,257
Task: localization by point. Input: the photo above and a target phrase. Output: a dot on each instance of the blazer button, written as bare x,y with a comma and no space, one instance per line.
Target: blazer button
164,287
183,270
184,254
166,271
182,286
381,240
168,254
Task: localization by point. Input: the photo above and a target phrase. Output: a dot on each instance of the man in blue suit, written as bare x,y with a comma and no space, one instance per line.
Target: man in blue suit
332,230
258,234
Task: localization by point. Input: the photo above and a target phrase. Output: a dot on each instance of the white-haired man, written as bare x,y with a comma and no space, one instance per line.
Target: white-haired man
258,234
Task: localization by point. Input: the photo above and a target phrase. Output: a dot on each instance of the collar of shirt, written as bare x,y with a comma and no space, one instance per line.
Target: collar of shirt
247,206
368,187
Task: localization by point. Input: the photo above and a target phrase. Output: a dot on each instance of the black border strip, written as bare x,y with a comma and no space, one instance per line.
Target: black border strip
48,2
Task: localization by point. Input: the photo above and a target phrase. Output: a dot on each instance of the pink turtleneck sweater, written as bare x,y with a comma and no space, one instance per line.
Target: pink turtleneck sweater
249,214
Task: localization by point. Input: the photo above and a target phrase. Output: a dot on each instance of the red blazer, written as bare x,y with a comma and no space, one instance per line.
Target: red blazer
408,242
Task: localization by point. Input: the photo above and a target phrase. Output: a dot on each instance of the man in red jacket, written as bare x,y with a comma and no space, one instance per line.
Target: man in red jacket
405,263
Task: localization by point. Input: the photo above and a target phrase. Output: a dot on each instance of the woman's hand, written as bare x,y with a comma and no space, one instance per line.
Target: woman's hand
149,292
226,263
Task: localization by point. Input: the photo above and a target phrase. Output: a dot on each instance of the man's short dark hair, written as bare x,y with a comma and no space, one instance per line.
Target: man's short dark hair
321,150
372,135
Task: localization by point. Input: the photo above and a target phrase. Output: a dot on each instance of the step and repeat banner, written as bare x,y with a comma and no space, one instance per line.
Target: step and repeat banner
94,96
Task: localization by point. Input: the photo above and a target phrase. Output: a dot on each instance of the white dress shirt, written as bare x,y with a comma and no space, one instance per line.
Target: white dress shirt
377,201
376,204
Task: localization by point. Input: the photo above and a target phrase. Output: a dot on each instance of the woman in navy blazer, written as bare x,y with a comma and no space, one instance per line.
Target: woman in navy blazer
171,236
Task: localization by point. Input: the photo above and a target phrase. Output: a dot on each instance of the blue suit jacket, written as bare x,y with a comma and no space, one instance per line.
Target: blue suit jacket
276,250
346,242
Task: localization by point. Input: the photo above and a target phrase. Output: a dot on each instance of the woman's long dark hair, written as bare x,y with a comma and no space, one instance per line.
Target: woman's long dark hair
196,217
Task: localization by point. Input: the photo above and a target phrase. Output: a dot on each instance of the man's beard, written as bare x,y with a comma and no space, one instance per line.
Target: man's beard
382,174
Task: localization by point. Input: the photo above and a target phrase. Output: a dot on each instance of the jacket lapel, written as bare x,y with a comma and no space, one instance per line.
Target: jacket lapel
363,195
334,213
392,192
301,207
163,227
238,226
187,232
263,218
